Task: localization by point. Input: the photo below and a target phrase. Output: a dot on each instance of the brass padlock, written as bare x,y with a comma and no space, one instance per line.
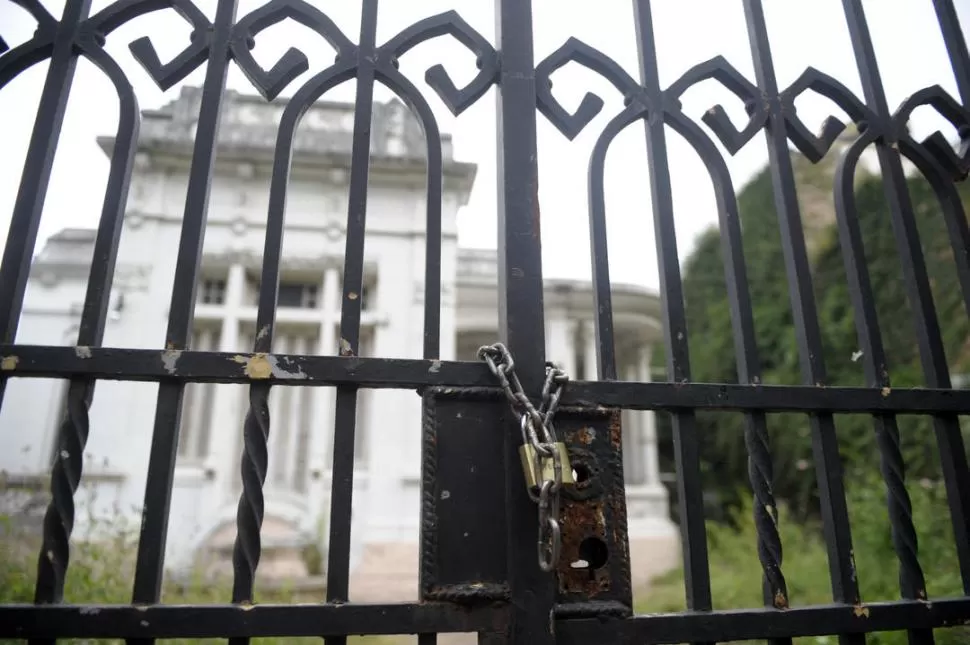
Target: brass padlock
527,454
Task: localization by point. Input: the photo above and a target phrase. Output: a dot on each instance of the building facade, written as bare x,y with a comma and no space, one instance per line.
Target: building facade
387,476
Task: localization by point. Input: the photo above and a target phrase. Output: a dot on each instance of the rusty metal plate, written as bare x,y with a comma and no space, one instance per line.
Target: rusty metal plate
595,560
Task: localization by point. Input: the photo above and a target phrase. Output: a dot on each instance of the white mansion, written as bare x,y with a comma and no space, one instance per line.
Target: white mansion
207,480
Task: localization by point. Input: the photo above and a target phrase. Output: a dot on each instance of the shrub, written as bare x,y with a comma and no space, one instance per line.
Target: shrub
101,573
736,571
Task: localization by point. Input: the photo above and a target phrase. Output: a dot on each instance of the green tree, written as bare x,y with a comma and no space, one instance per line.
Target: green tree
712,346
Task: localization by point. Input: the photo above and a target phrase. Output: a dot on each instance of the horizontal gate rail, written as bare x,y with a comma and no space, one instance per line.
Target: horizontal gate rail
212,621
33,361
736,625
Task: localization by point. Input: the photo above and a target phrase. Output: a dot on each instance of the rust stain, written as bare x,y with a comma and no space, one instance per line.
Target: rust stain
9,363
256,367
781,602
860,611
345,348
616,431
581,520
586,435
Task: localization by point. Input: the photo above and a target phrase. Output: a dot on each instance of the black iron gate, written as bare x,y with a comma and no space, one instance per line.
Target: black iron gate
477,575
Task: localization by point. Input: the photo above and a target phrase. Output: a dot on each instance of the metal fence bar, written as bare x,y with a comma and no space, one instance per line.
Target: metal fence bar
752,624
912,584
521,313
263,620
757,442
956,46
825,446
35,178
929,339
697,576
600,253
246,551
158,488
345,415
73,432
324,371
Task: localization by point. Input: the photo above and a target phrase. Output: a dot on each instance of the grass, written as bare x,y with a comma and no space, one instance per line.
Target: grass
736,571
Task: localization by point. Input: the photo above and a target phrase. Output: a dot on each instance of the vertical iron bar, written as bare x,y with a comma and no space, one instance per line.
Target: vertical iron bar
161,465
432,249
828,465
936,371
345,415
35,179
73,431
912,584
697,576
756,439
521,317
256,427
953,211
599,246
956,46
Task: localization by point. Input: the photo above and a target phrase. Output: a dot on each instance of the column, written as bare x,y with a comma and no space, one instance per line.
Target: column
589,341
559,343
633,434
222,463
321,427
649,434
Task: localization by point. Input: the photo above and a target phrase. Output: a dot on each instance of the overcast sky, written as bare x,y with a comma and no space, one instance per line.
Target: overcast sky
811,32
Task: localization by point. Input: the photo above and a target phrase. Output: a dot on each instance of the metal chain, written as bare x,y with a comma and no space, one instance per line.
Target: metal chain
534,421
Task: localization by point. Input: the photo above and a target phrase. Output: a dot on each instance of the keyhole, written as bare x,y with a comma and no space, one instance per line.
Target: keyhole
581,473
593,554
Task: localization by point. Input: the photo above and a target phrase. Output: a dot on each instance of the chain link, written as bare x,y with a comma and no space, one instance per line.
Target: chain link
534,421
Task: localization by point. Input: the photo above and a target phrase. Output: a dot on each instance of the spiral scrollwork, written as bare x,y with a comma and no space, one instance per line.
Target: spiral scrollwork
570,124
716,118
814,147
271,82
957,164
184,63
449,23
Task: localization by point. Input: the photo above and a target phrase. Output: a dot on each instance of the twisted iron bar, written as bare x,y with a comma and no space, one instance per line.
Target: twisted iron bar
891,464
760,475
249,514
55,550
902,529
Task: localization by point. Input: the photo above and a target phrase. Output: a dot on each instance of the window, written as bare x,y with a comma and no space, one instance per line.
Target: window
293,294
298,295
213,292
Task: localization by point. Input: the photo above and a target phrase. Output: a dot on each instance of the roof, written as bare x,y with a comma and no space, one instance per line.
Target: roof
250,127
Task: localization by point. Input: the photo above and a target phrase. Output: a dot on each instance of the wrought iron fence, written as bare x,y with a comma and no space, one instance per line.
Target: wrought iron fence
523,604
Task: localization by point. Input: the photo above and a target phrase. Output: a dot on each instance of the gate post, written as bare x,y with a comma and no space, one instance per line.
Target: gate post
521,320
